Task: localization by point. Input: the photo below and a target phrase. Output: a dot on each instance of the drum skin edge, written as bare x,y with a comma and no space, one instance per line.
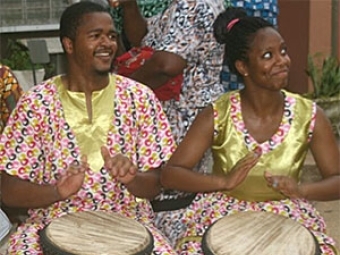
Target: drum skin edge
50,248
206,246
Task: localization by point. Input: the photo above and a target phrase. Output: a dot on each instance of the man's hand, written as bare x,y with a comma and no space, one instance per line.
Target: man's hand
72,180
119,166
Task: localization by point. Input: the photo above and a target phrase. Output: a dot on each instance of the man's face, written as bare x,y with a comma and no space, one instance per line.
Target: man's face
95,44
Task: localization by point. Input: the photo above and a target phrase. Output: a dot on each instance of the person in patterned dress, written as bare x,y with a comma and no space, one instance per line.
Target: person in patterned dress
10,92
259,137
147,8
184,44
84,141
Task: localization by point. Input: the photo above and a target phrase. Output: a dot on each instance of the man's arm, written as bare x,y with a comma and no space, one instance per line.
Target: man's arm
16,192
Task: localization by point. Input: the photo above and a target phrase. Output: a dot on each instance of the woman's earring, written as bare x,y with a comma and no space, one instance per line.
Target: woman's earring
245,75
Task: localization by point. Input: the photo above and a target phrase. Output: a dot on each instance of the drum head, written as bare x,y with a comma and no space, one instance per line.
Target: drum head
258,233
95,233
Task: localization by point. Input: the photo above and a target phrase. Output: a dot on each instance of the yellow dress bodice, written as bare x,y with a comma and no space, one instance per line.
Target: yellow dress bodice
285,158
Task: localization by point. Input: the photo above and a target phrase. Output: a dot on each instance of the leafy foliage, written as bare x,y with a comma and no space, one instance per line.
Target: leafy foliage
18,57
325,76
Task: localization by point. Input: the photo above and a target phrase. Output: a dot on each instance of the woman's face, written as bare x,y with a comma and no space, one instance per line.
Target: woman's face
268,61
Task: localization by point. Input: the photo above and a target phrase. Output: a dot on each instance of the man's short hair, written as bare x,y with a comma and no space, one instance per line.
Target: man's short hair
73,16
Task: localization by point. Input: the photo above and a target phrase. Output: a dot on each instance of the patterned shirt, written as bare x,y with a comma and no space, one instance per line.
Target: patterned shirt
185,28
39,144
10,92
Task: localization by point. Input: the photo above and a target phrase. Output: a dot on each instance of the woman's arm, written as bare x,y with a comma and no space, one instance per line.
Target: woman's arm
145,184
178,174
325,150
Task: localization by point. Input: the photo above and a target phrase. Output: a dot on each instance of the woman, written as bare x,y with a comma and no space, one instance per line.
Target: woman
267,9
259,137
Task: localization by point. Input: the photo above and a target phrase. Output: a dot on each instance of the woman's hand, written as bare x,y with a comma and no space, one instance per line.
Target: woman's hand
119,166
72,180
284,184
240,171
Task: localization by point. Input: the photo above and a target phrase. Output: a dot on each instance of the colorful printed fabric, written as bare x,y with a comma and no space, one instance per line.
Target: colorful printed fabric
45,146
288,142
267,9
209,207
297,124
132,60
285,125
148,8
10,92
190,37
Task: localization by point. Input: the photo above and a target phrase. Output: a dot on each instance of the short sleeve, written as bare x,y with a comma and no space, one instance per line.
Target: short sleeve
155,142
20,152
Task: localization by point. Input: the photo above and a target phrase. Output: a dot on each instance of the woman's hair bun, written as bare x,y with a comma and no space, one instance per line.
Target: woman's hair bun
222,21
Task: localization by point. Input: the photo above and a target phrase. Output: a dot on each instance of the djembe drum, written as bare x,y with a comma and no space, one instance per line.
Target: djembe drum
258,233
95,233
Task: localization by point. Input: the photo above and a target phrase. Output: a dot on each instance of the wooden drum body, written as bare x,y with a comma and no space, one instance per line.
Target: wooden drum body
95,233
258,233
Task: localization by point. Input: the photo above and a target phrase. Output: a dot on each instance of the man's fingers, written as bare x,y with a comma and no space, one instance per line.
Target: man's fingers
105,153
107,157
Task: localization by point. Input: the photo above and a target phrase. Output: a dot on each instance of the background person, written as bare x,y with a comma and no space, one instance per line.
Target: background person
10,92
184,44
259,137
87,140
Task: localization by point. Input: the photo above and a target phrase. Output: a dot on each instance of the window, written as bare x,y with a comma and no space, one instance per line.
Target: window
16,13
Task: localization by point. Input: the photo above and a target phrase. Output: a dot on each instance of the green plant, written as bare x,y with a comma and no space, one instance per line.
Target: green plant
325,76
17,57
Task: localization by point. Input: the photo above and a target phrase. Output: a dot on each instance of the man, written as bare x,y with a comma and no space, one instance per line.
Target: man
84,140
183,43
